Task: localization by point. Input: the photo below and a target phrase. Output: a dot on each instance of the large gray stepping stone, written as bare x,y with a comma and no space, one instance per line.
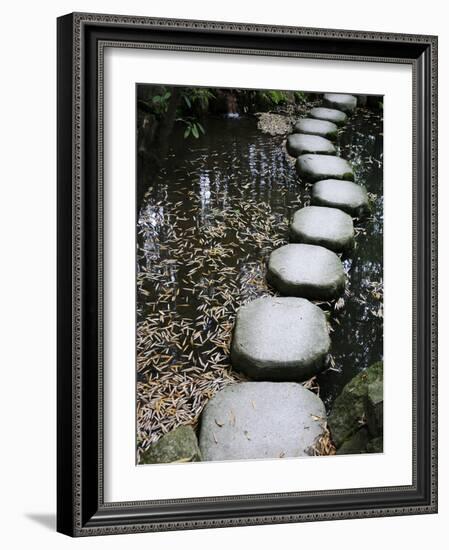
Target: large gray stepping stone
306,270
320,167
280,339
261,420
343,102
328,227
332,115
298,144
347,196
316,127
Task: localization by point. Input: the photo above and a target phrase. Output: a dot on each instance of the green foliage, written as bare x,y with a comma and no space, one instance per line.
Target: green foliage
274,97
160,102
300,97
277,97
193,102
192,127
156,104
197,97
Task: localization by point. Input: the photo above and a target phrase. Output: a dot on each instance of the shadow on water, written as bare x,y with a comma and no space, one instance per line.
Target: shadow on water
210,218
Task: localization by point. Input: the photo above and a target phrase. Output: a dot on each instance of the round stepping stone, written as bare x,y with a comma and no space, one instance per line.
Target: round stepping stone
328,227
343,102
316,127
280,339
321,167
347,196
332,115
261,420
297,144
306,270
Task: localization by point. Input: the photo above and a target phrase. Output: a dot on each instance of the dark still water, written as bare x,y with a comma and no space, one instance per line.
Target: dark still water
207,224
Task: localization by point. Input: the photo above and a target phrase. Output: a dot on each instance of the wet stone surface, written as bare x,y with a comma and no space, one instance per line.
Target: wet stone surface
298,144
318,167
332,115
343,102
246,421
307,271
328,227
280,339
345,195
316,127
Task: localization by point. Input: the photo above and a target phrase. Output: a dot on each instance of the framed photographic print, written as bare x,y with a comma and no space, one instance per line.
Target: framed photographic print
246,274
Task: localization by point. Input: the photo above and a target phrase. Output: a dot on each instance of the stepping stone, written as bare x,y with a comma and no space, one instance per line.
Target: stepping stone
343,102
347,196
316,127
297,144
332,115
261,420
328,227
280,339
306,270
321,167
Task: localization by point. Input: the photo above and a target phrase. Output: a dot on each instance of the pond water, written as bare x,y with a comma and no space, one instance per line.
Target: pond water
209,220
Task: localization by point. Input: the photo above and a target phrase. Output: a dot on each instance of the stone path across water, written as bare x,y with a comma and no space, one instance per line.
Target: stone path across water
287,338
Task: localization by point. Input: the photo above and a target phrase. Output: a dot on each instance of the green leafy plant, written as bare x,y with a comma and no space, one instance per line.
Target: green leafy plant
278,97
156,104
192,127
300,97
274,97
197,96
160,102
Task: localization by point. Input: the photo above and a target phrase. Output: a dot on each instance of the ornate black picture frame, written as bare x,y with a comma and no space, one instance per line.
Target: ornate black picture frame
81,509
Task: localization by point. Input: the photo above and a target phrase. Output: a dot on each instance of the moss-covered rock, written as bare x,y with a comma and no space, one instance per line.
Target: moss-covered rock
374,406
359,404
355,444
179,445
375,445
